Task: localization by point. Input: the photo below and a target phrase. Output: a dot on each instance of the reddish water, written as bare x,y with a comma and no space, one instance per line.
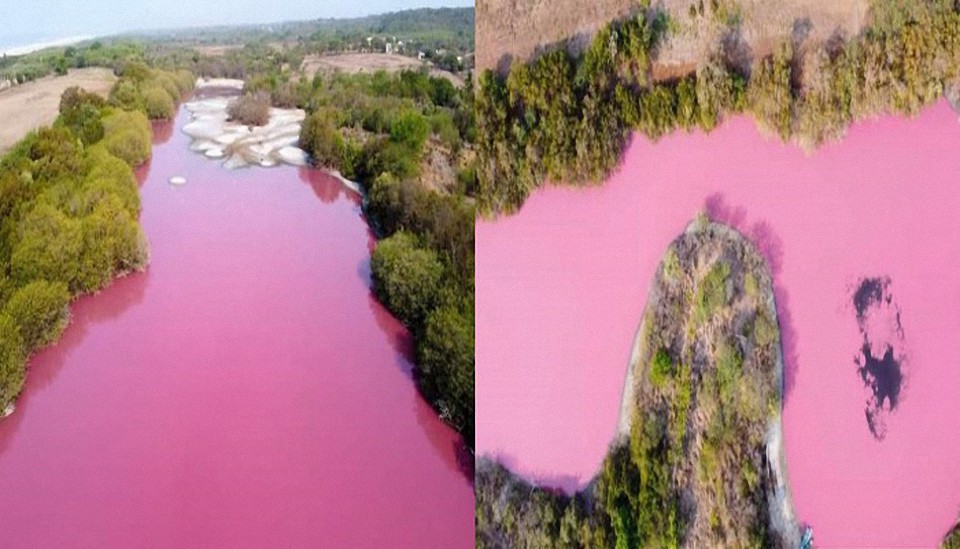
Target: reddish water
561,289
246,391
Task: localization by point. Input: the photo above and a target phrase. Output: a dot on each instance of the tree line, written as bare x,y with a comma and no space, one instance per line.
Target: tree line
568,118
69,208
377,130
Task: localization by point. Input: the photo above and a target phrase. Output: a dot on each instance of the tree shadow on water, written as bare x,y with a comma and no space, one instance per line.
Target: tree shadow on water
763,236
87,311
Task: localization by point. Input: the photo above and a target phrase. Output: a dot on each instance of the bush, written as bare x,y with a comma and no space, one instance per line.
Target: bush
127,135
41,312
320,137
406,277
446,365
410,129
252,109
12,361
125,94
158,103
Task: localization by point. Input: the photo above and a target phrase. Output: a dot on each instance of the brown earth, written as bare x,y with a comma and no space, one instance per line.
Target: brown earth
34,104
353,63
515,29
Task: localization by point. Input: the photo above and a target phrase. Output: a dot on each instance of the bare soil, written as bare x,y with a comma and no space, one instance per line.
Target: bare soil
515,30
29,106
354,63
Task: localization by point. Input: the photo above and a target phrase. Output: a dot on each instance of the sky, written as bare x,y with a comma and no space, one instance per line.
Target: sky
25,22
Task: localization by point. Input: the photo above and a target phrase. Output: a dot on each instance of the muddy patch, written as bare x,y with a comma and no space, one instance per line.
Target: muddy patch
881,358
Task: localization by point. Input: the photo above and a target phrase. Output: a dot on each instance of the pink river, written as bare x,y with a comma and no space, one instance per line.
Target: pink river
561,289
245,391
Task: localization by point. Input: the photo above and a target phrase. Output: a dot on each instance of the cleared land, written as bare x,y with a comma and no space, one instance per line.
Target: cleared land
353,63
35,104
516,29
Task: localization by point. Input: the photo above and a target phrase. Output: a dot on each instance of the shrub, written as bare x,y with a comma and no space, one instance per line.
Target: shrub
75,97
406,277
446,365
158,103
127,136
410,129
252,109
40,311
711,293
661,368
84,121
320,137
12,357
125,94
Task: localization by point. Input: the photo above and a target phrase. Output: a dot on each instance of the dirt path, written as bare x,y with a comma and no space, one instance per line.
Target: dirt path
34,104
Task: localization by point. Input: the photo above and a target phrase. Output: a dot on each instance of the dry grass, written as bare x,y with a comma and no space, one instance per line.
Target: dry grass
353,63
35,104
515,29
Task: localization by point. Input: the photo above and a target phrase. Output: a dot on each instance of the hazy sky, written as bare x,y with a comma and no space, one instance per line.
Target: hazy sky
27,21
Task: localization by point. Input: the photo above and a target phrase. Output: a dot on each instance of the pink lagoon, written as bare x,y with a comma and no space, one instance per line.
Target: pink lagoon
561,286
247,390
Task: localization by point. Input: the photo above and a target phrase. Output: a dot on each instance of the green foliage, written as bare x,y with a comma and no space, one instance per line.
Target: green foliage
40,310
711,293
770,93
158,103
952,539
410,130
12,361
127,136
125,94
445,363
661,368
406,277
320,137
696,436
68,225
562,119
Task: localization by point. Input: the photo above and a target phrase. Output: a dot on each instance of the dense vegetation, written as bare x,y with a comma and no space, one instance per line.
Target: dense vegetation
567,118
693,469
387,131
23,68
69,208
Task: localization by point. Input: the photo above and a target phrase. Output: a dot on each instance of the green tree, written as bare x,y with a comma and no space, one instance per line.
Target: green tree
406,277
321,138
158,103
41,312
410,129
446,364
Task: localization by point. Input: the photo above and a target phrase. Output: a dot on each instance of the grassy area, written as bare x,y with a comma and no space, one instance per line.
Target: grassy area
692,472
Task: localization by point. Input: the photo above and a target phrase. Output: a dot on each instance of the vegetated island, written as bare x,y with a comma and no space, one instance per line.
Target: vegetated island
699,460
567,117
69,209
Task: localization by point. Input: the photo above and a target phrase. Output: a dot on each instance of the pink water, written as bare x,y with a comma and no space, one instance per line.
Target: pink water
561,288
245,391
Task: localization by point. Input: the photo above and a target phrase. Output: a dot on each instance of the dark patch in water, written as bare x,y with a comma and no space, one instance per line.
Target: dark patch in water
880,359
